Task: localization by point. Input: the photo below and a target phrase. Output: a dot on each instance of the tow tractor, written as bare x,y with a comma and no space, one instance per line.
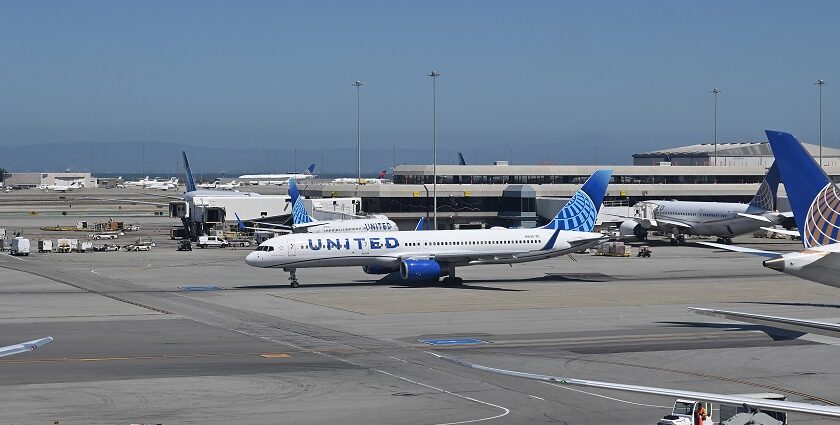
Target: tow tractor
683,413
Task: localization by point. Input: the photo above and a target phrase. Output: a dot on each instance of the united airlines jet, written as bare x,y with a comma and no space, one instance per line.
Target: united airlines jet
721,219
429,255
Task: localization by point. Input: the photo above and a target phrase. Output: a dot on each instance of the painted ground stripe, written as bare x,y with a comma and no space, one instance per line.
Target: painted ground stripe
201,288
455,341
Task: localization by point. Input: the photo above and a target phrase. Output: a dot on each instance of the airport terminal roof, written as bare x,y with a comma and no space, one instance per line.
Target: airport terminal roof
731,149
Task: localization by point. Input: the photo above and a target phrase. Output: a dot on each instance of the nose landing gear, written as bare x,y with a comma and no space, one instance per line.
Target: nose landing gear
293,282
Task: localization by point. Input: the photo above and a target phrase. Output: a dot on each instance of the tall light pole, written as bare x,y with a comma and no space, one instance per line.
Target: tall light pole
358,85
820,84
716,92
434,76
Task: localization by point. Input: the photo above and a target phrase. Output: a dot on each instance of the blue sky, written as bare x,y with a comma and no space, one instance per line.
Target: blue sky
623,76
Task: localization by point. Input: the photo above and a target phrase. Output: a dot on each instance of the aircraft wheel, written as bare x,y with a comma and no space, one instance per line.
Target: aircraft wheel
294,284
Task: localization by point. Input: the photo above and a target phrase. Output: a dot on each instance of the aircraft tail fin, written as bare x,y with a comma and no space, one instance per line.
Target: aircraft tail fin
188,172
239,222
814,199
310,169
382,174
765,198
299,213
581,211
421,225
461,160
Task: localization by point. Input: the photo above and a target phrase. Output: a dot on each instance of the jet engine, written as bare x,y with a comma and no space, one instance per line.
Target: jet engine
631,228
377,269
417,270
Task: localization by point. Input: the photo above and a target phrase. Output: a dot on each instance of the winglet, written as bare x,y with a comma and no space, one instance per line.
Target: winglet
461,160
299,213
421,225
813,198
188,172
581,211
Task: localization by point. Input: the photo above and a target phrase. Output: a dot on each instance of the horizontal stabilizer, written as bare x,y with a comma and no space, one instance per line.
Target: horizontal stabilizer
745,250
738,400
755,217
781,231
24,346
787,323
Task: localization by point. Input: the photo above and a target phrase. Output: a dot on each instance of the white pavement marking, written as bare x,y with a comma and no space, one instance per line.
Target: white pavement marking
505,410
608,398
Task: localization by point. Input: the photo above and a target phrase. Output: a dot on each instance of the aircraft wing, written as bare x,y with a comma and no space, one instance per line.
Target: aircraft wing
127,201
24,347
781,231
745,250
674,223
645,222
776,405
796,325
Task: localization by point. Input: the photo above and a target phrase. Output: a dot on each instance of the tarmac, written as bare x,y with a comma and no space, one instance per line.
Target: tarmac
200,337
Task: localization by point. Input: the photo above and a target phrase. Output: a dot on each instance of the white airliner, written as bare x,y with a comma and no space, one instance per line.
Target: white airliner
229,186
24,347
428,255
278,179
60,187
721,219
171,184
815,201
737,400
302,222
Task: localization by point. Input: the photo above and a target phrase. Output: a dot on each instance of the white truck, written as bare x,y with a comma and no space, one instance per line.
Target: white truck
19,246
683,413
204,241
45,245
67,245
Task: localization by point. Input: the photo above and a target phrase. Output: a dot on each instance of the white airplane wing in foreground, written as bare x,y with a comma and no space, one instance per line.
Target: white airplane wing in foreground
24,347
755,403
745,250
787,323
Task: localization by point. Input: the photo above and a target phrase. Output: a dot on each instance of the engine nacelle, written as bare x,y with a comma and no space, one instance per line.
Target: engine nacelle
377,269
630,228
417,270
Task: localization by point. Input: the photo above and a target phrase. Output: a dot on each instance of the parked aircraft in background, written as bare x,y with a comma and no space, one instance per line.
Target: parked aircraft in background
24,347
60,187
737,400
302,222
138,183
428,255
380,179
228,186
277,179
211,185
721,219
171,184
815,201
461,160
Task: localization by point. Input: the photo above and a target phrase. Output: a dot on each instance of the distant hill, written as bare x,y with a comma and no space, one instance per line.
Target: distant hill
129,157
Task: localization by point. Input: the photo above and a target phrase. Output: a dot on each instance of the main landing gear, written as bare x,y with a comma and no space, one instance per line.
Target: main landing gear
452,280
678,240
725,240
293,282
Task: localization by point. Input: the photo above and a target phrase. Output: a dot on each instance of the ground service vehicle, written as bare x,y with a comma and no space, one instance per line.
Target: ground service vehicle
19,246
45,245
204,241
185,245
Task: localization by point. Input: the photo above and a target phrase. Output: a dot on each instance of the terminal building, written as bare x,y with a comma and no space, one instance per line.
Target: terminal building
527,195
48,179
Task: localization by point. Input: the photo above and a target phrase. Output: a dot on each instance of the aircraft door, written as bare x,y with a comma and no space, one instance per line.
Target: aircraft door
291,250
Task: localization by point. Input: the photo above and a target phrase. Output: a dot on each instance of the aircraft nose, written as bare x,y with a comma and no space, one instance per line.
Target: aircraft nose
252,258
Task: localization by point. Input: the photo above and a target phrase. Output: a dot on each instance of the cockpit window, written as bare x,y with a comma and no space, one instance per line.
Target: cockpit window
265,248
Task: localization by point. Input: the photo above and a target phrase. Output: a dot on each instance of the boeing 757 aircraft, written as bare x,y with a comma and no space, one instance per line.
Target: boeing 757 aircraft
24,347
721,219
428,255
